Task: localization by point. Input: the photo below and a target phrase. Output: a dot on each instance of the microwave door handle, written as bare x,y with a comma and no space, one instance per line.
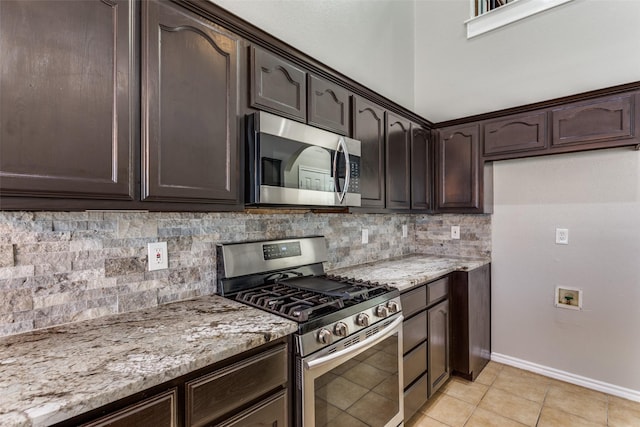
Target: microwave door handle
347,175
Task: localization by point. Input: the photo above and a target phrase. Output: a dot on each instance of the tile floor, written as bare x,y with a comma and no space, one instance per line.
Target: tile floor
506,396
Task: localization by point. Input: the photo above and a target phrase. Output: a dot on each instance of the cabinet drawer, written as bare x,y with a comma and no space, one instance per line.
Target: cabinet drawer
157,411
437,290
415,364
213,395
414,331
270,412
414,397
413,301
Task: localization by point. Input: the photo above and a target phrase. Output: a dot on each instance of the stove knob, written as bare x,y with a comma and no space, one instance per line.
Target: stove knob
393,307
362,319
324,336
341,329
382,311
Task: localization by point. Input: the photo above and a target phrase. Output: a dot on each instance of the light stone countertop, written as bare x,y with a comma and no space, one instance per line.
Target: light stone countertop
53,374
411,270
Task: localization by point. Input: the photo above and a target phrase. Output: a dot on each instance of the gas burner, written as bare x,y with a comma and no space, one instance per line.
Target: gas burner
291,302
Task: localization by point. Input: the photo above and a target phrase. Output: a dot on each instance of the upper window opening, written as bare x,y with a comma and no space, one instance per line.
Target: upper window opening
487,15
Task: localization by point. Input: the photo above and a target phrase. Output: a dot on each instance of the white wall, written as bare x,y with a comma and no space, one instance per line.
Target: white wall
579,46
596,195
371,42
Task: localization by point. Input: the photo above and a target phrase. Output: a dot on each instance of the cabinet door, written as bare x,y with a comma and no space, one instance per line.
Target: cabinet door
398,153
277,85
271,412
157,411
421,169
67,103
328,106
515,134
595,121
438,352
459,178
368,128
212,396
190,148
470,300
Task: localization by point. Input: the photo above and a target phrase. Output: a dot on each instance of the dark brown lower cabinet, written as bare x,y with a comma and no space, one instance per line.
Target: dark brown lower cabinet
250,389
211,396
425,335
271,412
157,411
438,356
470,299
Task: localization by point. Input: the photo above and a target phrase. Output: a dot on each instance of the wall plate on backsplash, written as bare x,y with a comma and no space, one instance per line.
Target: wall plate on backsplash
570,298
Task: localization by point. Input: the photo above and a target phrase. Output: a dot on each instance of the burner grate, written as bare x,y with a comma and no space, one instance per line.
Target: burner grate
296,304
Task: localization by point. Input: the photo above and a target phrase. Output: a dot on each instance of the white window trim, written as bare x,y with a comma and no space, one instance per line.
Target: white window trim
510,12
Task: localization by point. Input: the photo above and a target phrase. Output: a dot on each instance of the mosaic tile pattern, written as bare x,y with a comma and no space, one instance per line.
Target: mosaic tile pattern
61,267
433,235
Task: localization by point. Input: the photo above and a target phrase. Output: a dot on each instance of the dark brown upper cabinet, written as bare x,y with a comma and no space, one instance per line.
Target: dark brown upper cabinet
368,128
459,177
398,155
68,104
190,98
328,106
422,163
515,134
277,85
596,121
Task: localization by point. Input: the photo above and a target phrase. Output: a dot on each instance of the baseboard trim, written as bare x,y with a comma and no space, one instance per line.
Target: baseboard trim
614,390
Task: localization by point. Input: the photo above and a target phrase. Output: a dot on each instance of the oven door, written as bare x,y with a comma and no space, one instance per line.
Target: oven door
358,381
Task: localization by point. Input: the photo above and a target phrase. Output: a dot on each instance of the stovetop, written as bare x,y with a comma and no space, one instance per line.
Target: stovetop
287,278
305,299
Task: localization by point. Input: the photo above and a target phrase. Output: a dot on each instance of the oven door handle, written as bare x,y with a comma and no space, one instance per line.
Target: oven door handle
369,342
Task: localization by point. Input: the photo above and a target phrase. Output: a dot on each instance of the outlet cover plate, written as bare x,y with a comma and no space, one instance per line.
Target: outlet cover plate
405,231
365,236
562,236
158,256
455,232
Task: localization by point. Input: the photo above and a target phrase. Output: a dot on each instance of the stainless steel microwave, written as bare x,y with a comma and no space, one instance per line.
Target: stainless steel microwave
290,163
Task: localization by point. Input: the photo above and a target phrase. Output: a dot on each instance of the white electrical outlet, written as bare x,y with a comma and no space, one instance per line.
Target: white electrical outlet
562,236
365,236
158,256
405,231
455,231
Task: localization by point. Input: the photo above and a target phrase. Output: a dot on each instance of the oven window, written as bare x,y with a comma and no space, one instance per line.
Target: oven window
363,391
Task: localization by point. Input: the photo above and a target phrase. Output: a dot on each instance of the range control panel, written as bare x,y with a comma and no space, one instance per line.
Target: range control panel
281,250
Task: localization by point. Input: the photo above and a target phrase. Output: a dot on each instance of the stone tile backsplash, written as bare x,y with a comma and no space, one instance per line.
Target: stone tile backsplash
60,267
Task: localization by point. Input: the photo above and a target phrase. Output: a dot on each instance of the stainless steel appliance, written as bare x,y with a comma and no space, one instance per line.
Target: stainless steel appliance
348,347
290,163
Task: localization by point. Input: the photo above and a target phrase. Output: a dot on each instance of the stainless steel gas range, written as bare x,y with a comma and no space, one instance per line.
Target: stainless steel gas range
348,347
